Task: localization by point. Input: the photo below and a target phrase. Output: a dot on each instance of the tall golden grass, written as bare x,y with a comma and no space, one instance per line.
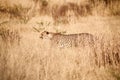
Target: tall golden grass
61,11
32,59
24,56
36,62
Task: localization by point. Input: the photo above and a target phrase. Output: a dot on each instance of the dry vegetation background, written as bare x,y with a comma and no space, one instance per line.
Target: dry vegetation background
24,56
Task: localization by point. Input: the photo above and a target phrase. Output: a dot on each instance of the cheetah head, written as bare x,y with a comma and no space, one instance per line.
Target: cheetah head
46,35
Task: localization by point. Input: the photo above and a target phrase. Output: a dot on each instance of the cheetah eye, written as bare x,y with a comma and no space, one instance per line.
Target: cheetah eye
47,32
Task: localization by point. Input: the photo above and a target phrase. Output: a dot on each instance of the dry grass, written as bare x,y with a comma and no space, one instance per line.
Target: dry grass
24,56
62,11
33,60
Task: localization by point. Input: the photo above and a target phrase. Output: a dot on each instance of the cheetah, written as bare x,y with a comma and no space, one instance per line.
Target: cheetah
70,40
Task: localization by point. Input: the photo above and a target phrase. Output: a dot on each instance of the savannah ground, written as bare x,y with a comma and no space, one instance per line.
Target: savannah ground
24,56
